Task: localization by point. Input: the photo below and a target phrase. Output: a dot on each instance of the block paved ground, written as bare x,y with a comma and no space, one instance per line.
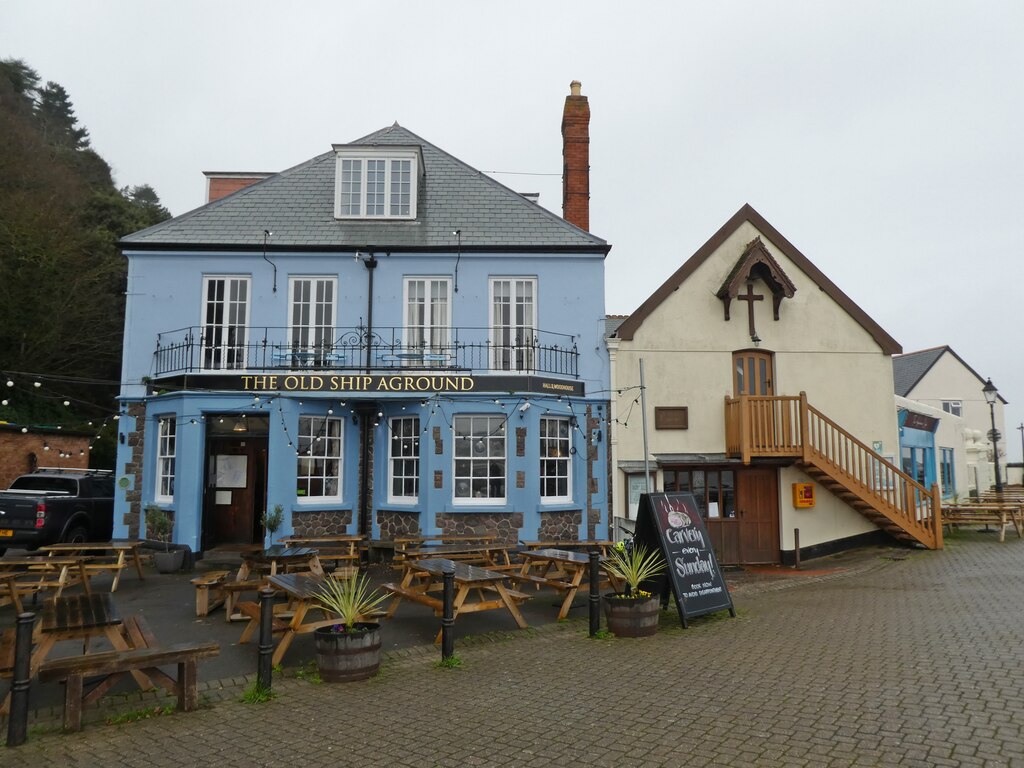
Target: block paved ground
891,662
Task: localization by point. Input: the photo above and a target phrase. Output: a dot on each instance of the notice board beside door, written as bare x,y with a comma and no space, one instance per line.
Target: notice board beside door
671,523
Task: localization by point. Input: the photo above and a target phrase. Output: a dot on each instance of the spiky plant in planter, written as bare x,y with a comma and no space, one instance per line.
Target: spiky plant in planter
350,649
633,613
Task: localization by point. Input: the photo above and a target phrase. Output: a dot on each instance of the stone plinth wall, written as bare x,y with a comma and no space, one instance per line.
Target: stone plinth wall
135,440
505,525
394,523
560,526
323,522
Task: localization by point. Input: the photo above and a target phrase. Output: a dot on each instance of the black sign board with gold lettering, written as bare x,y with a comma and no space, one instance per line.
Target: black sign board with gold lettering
672,523
416,383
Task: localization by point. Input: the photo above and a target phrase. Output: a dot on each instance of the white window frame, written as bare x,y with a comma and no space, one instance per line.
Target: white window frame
511,355
312,341
407,438
396,160
166,453
466,448
563,445
953,407
431,335
311,450
225,354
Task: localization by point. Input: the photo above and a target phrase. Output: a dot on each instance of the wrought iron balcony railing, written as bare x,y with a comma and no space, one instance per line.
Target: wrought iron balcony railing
222,348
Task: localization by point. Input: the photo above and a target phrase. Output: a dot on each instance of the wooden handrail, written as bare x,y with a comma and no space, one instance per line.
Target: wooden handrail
786,426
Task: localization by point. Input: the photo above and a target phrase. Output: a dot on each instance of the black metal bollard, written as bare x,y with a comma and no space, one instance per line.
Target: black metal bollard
264,664
21,679
595,592
448,616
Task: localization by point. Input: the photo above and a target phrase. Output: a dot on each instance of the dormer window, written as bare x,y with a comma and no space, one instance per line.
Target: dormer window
376,182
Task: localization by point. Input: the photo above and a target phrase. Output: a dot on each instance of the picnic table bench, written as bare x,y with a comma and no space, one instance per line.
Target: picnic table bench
601,545
113,665
403,544
344,550
983,513
475,589
112,556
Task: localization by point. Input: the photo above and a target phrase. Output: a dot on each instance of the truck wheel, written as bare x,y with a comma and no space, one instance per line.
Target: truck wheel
77,535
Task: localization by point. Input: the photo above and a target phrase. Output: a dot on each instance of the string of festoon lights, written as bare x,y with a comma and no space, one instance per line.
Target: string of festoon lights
13,386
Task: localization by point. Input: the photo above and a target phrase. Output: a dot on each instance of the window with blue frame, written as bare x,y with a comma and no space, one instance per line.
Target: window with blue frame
946,469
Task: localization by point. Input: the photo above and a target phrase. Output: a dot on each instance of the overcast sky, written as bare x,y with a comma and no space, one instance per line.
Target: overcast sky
883,139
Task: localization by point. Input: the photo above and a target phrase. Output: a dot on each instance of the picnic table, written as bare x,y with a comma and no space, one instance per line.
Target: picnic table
559,569
601,545
273,558
476,589
986,513
301,590
21,576
403,544
100,557
83,618
487,555
342,550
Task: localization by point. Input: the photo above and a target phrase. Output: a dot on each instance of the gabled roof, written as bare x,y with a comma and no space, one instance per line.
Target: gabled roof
888,344
909,369
297,206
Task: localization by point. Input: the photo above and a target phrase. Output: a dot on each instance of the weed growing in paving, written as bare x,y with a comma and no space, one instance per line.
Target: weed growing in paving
257,694
452,662
309,673
602,634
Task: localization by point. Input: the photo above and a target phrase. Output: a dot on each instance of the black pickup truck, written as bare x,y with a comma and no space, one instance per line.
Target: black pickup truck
51,506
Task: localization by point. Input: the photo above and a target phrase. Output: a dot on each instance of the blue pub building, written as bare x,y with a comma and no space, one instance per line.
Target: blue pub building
381,340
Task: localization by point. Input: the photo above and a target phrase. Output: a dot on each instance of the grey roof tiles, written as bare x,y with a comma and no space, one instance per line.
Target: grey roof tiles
297,205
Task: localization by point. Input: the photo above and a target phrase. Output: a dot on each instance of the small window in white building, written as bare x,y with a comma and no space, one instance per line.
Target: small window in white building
952,407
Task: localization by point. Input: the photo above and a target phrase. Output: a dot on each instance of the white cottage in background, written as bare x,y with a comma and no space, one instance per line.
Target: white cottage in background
766,387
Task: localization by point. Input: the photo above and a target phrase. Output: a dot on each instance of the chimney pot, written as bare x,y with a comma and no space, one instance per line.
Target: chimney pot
574,87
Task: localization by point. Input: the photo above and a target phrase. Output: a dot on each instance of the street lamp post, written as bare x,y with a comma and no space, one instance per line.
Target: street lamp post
991,393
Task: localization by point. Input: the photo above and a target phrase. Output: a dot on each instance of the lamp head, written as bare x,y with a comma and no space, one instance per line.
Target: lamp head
990,392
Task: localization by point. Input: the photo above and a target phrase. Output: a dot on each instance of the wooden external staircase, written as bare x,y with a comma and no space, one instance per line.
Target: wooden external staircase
788,426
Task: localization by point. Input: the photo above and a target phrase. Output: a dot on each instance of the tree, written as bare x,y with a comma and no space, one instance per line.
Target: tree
62,276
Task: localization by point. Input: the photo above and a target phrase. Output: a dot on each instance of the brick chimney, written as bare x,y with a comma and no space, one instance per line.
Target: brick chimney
221,184
576,158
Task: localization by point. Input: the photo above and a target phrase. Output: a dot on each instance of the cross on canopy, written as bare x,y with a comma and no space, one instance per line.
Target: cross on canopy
750,297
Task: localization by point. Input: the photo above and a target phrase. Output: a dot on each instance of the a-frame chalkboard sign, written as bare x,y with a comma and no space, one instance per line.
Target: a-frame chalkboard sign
672,523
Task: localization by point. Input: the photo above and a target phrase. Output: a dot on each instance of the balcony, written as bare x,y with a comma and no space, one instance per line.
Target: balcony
221,349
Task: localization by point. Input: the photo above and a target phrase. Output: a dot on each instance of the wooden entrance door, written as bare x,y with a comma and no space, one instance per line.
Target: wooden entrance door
757,514
752,373
236,482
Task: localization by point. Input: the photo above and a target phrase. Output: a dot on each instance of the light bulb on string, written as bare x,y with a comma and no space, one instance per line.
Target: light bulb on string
10,383
67,403
3,402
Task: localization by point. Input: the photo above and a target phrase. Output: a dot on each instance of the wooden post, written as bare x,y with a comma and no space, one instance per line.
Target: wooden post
937,515
796,548
805,437
745,428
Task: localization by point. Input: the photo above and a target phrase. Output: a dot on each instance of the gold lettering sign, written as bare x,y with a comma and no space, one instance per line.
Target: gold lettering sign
358,383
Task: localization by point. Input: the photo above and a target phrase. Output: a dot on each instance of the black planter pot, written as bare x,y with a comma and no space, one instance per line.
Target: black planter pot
632,616
343,657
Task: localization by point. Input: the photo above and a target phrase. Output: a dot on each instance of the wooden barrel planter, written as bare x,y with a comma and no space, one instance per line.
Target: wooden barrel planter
632,616
343,657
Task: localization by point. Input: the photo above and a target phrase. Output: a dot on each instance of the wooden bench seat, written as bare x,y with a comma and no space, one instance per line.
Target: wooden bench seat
416,596
250,609
210,591
113,665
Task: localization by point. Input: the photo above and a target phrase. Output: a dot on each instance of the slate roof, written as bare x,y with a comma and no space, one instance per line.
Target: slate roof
909,369
297,205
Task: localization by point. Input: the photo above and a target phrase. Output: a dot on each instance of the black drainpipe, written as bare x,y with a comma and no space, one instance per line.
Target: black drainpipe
370,264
